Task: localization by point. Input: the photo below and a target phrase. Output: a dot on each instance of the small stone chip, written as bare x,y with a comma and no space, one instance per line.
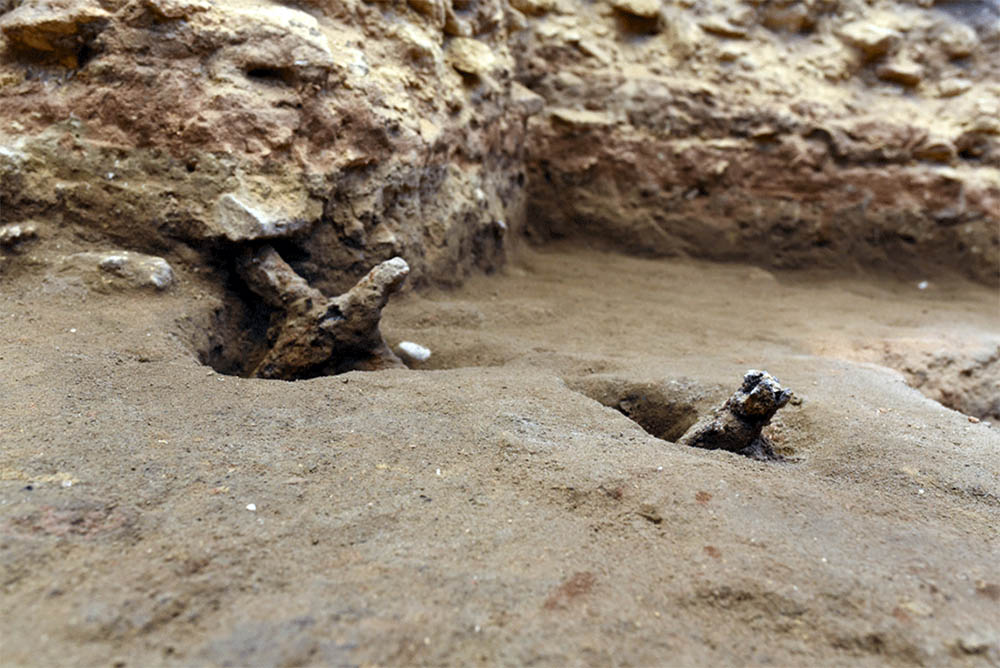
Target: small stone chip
414,351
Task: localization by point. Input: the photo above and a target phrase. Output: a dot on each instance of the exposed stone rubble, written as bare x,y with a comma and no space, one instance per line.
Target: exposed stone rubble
787,133
166,123
12,237
962,375
792,134
313,335
736,426
120,269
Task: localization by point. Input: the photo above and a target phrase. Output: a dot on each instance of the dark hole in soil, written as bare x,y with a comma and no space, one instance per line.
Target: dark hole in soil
663,409
272,75
638,26
237,336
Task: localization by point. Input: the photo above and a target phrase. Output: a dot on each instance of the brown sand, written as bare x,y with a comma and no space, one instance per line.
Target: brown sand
480,510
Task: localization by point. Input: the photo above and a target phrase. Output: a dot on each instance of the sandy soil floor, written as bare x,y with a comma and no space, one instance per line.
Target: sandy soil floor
485,508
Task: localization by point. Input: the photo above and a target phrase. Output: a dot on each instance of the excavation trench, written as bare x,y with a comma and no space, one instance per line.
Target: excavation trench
267,329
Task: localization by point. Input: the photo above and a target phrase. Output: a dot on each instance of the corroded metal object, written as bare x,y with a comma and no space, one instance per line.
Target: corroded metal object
736,426
314,335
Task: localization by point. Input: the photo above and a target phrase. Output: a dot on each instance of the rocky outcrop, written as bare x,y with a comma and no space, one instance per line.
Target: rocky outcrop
825,132
351,136
789,134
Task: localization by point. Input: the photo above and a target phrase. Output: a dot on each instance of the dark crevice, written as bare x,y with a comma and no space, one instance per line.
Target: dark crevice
272,75
663,409
237,336
638,26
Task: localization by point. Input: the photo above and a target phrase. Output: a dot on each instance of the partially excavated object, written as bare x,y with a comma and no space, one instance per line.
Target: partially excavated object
736,426
312,334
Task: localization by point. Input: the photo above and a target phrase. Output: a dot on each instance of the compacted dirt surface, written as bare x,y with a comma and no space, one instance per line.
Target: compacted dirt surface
496,505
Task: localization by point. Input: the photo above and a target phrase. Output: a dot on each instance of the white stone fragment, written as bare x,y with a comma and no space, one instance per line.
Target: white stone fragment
414,351
240,220
471,56
123,268
874,40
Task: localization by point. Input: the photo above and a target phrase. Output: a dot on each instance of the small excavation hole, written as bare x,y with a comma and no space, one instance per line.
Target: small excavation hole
665,410
232,338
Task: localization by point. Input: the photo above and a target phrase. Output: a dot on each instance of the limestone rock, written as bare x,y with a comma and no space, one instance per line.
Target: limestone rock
470,56
958,40
646,9
721,26
794,17
13,236
936,149
684,33
178,9
902,72
423,50
953,87
533,7
287,44
871,39
454,25
433,9
581,118
60,29
237,219
120,268
528,101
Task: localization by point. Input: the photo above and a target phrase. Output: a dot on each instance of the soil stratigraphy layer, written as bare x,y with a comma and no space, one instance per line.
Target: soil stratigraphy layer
830,133
485,509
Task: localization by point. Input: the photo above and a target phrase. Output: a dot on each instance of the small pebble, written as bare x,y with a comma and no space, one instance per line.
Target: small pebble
252,507
414,351
922,285
973,419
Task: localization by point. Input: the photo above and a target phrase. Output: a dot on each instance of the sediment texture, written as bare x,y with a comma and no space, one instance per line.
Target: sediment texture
792,134
828,132
351,132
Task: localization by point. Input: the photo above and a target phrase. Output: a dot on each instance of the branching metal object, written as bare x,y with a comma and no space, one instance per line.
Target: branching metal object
312,334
